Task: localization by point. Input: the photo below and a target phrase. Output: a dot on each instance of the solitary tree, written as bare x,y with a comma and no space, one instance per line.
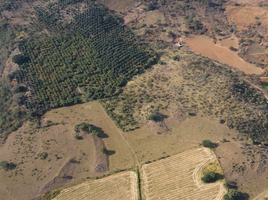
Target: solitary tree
207,143
7,165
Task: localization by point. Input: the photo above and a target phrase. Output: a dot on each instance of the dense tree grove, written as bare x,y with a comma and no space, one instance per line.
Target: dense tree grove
94,52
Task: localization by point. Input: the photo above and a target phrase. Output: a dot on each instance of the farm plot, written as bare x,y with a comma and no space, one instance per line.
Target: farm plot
119,186
177,177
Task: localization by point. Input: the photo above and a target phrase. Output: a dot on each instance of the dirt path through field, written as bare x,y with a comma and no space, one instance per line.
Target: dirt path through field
137,163
265,93
262,195
204,45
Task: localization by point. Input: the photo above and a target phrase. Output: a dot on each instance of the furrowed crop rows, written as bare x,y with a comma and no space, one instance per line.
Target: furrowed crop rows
177,177
114,187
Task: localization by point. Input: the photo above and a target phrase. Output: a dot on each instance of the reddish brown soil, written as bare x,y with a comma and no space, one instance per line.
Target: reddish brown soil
205,46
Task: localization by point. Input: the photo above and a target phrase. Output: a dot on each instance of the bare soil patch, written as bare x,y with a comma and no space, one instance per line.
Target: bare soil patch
227,42
101,160
205,46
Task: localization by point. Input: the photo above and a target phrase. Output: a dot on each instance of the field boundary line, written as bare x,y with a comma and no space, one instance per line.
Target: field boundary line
136,161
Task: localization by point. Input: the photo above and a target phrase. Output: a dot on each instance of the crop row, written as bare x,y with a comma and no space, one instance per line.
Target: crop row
177,177
119,186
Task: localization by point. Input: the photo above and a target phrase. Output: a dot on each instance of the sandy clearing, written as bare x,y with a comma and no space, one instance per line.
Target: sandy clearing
204,45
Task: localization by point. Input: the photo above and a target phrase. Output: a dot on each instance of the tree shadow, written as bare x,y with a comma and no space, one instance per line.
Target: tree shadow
231,184
160,117
12,166
79,137
110,152
192,114
215,145
101,133
67,177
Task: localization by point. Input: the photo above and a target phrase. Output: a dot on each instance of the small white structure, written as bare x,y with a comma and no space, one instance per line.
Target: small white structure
179,44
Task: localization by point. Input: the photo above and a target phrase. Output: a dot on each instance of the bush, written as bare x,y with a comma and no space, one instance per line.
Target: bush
83,127
211,177
95,133
207,143
102,150
171,34
153,115
7,165
233,194
177,58
232,48
19,59
50,195
43,155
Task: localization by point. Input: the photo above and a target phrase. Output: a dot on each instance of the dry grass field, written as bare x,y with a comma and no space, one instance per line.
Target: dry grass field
177,177
32,174
119,186
149,146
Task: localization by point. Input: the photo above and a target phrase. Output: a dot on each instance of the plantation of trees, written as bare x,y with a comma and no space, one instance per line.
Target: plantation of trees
94,52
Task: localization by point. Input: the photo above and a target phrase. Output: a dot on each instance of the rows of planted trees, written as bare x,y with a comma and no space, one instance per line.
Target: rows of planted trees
94,52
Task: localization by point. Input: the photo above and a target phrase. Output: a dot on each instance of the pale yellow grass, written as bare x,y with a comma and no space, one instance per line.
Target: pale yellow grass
114,187
177,177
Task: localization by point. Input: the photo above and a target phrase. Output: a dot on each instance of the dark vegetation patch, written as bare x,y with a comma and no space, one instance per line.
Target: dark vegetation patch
6,37
94,53
7,165
211,177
